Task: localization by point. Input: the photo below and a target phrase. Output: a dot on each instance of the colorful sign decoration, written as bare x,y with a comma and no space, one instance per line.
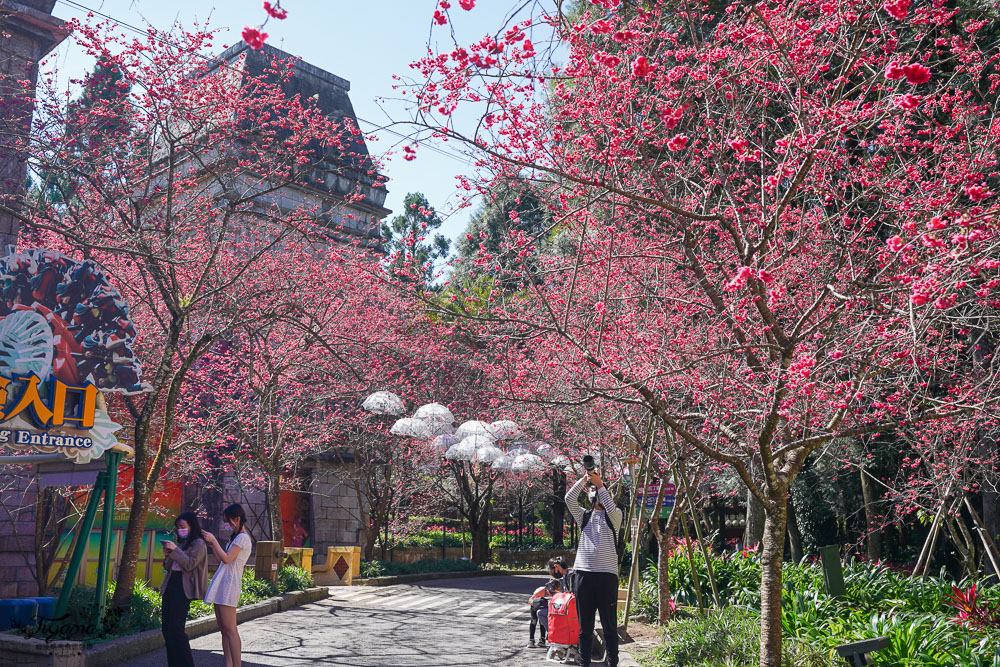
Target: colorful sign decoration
65,337
646,501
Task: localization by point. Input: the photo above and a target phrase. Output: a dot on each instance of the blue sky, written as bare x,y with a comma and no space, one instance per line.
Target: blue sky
363,42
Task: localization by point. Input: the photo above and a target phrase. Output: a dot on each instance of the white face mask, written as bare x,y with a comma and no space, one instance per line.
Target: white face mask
182,533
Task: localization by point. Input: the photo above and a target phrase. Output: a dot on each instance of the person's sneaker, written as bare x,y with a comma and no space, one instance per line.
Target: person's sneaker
531,643
541,644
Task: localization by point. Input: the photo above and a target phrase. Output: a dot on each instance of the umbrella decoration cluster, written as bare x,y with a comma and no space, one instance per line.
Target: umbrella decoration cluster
473,440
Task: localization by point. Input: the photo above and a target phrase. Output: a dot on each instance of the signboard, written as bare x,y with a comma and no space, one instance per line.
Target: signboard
65,337
645,502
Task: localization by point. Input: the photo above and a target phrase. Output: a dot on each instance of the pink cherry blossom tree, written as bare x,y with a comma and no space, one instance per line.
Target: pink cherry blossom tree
180,203
781,219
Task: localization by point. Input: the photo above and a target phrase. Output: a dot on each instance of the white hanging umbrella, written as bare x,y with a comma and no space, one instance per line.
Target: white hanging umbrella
563,462
544,450
504,462
526,462
434,412
411,428
443,441
478,440
437,428
505,429
473,427
384,403
487,454
463,451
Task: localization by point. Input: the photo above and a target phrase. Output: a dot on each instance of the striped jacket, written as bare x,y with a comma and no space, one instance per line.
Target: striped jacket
596,551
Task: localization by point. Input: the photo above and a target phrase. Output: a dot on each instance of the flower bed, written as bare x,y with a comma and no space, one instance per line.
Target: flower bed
143,613
929,622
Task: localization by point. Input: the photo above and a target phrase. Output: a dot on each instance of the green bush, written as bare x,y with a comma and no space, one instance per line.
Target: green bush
255,590
384,568
879,602
429,539
646,601
528,543
143,613
199,608
294,578
729,638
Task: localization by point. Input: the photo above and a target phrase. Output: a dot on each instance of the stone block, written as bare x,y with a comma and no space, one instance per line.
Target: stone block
26,589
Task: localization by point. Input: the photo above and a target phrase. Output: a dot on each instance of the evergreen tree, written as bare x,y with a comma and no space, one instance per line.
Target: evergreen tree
410,249
503,236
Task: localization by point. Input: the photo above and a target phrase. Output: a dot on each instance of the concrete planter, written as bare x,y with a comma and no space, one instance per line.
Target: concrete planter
430,576
17,650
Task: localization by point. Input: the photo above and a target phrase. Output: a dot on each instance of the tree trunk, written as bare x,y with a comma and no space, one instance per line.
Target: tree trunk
772,556
481,537
558,507
274,506
754,531
134,532
663,540
873,534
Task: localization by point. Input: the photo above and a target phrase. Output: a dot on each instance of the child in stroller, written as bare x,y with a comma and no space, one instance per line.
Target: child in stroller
539,602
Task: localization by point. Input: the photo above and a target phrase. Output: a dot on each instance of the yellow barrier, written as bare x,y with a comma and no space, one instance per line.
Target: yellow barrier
341,566
300,557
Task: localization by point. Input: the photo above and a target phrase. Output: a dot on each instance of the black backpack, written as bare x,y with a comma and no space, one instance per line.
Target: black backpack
618,535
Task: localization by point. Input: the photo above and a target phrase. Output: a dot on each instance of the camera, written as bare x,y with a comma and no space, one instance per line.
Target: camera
588,463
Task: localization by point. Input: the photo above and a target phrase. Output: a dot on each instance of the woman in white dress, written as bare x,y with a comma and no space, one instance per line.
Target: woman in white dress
227,582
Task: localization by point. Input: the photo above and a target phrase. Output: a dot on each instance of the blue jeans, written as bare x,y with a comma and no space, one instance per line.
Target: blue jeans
539,615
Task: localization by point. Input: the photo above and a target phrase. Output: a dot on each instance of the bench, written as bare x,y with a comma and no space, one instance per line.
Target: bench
858,654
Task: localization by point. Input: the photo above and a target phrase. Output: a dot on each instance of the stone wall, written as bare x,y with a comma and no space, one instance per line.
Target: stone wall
27,32
335,511
17,533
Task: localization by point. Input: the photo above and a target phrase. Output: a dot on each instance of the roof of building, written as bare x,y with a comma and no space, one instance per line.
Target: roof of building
331,94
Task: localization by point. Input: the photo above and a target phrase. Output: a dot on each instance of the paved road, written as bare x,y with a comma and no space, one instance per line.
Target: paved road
473,621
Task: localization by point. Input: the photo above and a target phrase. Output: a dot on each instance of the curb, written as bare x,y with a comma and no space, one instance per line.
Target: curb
119,650
431,576
625,659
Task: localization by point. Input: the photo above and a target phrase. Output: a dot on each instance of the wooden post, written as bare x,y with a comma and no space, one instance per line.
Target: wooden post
633,574
984,534
928,547
679,467
690,550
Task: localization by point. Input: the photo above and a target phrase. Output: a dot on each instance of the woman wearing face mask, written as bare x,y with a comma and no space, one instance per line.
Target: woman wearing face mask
227,583
186,562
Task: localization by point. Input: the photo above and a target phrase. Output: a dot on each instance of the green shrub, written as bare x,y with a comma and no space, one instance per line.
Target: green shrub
292,578
255,590
142,613
646,601
528,542
879,602
727,638
199,609
429,539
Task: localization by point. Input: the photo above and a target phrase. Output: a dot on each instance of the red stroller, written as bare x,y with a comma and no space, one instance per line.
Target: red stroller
564,631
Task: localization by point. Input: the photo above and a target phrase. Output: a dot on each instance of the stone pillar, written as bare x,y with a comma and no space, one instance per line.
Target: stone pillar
29,32
336,516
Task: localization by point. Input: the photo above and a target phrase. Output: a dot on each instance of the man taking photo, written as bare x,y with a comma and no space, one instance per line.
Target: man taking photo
596,564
